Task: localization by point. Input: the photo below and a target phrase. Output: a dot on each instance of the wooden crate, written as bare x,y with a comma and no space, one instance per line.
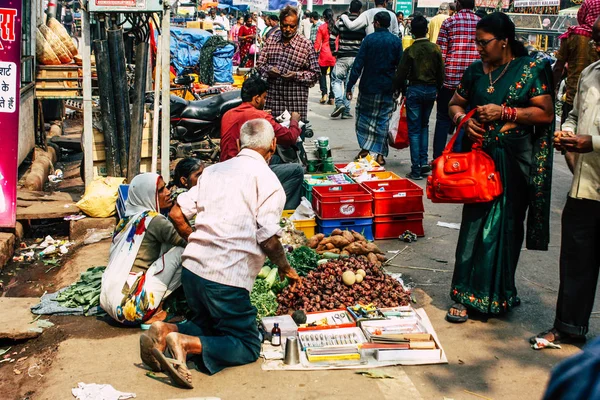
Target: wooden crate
99,154
58,81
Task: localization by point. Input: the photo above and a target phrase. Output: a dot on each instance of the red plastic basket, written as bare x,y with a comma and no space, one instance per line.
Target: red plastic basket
392,226
397,196
342,201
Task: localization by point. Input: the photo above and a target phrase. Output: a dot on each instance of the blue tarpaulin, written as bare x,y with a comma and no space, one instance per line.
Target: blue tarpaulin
279,4
185,53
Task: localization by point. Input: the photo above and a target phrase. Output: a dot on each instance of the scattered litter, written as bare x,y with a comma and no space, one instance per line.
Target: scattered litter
451,225
2,352
44,323
96,235
6,360
408,237
477,395
63,249
541,343
375,374
56,177
94,391
48,251
75,217
33,368
16,371
23,245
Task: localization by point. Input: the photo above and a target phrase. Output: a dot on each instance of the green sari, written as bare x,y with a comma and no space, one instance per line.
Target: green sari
492,234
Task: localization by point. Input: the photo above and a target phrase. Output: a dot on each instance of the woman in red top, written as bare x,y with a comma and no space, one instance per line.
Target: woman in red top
246,37
326,58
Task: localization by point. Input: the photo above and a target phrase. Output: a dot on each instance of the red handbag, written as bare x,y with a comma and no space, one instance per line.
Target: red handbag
463,177
398,132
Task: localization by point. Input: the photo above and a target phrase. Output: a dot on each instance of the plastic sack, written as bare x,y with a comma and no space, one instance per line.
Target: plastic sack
398,131
100,197
303,211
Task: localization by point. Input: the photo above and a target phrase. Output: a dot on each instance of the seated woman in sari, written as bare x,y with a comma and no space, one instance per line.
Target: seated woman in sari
514,123
144,264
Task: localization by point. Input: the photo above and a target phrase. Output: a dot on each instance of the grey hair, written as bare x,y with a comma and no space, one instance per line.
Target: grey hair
256,134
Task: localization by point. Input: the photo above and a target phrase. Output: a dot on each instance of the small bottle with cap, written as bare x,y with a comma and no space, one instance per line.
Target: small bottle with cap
276,335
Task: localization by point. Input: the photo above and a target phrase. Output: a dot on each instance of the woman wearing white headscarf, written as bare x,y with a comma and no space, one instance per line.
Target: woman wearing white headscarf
144,264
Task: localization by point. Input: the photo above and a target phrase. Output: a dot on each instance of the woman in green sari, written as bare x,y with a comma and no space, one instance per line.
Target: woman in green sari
513,96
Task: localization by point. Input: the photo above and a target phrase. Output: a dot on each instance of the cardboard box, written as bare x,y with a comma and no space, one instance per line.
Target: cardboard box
335,319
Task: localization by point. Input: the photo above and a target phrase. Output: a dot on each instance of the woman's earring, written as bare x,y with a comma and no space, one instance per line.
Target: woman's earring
503,45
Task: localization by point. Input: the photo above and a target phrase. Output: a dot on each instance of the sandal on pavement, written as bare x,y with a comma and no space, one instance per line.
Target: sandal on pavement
146,347
380,160
558,337
168,365
361,154
457,318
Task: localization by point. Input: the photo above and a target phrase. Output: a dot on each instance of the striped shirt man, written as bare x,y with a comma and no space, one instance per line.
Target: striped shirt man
349,41
238,205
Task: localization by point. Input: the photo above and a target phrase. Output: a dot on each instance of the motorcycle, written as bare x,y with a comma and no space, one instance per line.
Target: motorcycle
196,129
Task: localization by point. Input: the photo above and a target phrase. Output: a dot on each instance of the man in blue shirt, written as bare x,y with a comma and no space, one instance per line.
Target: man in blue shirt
375,64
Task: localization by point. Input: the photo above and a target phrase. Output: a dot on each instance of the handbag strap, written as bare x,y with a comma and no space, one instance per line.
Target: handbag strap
450,144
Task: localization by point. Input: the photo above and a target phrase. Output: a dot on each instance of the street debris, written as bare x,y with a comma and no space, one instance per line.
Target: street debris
94,391
374,374
541,343
408,237
56,177
450,225
96,235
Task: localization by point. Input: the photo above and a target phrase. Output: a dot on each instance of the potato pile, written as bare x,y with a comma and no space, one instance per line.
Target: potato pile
347,243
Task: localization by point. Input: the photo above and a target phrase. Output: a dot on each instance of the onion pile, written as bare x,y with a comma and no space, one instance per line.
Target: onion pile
324,289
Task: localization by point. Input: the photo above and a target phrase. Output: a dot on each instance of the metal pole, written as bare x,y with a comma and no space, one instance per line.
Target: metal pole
137,119
157,76
166,86
88,162
309,5
107,108
116,48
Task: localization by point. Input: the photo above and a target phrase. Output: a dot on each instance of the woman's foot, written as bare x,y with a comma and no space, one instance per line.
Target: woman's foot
362,154
155,338
323,99
158,316
380,160
555,336
457,313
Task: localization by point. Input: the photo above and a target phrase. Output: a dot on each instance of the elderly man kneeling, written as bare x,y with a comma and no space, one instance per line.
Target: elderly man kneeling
238,205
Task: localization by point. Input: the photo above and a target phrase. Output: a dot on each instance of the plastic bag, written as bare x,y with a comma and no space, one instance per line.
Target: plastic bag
100,198
303,211
398,131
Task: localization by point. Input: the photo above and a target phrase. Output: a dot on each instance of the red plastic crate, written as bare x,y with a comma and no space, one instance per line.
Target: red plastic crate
392,226
400,196
342,201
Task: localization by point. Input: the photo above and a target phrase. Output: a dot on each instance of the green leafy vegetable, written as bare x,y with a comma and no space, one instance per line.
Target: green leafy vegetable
263,299
303,260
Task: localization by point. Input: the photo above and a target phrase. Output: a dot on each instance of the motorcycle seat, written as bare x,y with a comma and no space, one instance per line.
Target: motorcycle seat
183,80
212,108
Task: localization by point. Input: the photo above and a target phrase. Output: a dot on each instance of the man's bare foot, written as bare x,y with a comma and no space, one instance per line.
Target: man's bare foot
555,336
155,338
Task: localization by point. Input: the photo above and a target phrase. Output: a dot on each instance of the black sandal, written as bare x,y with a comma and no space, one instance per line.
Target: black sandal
559,337
361,154
457,318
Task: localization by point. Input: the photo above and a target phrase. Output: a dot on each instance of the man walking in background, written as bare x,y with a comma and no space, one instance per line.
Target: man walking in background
436,22
375,64
290,64
422,70
576,52
457,43
348,44
365,20
315,23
